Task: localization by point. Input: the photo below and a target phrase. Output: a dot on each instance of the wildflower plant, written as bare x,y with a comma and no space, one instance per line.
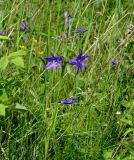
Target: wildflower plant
53,62
68,101
23,26
80,30
35,124
22,47
79,61
114,62
40,53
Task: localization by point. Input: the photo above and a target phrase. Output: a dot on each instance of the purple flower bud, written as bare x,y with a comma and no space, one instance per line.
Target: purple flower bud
2,33
67,19
80,30
114,62
23,26
69,101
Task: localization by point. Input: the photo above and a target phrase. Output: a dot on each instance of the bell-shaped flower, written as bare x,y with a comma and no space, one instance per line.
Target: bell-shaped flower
68,101
79,61
53,62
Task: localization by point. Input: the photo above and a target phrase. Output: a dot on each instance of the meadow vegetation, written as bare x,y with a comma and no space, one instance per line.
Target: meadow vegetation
36,120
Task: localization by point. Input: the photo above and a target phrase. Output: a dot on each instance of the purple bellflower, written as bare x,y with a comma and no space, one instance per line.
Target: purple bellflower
68,101
114,62
79,61
23,26
80,30
53,62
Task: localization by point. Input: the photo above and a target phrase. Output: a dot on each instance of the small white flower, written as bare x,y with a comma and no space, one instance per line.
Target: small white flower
118,113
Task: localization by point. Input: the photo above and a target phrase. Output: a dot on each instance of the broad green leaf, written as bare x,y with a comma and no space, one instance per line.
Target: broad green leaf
17,54
2,109
18,61
4,37
3,62
21,107
3,95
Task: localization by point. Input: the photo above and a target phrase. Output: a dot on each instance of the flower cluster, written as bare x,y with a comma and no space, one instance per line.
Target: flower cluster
55,61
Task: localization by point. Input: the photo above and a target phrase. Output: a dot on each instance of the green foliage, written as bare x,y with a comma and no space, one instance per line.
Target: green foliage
20,107
107,154
33,124
17,54
15,58
4,38
3,62
2,109
3,95
18,61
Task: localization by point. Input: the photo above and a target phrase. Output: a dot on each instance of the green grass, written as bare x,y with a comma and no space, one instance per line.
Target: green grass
43,129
